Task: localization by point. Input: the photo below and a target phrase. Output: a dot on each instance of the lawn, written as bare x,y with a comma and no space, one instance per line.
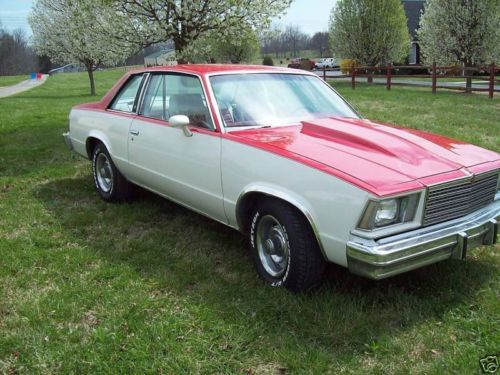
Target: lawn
148,286
12,80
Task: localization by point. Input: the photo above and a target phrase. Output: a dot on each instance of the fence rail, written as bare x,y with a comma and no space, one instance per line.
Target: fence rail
436,73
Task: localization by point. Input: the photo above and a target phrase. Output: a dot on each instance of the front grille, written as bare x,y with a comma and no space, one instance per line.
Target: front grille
453,200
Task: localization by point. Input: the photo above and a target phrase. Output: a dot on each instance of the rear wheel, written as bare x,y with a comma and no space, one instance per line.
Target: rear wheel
284,248
109,182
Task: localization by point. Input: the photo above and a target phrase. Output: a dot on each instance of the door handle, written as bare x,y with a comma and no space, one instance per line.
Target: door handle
134,132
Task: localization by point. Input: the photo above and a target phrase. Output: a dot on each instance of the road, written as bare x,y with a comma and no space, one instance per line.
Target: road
22,86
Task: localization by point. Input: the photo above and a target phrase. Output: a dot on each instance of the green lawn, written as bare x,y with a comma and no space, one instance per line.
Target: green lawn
12,80
148,286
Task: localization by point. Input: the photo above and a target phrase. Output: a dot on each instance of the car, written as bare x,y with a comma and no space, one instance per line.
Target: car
327,63
280,156
301,63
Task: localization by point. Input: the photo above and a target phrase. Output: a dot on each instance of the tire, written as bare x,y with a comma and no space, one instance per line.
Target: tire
109,182
284,249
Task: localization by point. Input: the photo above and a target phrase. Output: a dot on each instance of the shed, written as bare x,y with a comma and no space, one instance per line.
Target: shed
162,57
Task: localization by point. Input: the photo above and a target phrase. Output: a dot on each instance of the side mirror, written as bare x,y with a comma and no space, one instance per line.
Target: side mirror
181,121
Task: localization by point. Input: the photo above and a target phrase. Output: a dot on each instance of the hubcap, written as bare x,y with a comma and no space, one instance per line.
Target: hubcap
104,173
272,246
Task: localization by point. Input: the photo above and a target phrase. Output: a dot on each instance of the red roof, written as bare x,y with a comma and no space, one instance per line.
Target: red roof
213,68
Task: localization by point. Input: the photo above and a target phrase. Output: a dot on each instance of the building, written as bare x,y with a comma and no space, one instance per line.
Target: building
413,10
162,57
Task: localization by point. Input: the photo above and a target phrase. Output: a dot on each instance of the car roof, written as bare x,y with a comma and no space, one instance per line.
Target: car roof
214,68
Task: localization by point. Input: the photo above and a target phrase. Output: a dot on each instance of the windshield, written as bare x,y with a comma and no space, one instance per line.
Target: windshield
270,99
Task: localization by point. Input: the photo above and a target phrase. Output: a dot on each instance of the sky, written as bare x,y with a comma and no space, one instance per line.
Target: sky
310,15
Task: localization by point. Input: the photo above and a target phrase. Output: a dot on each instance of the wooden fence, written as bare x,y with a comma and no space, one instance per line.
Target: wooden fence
127,68
437,73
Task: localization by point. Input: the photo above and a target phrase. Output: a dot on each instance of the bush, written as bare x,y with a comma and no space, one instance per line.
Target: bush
346,65
268,61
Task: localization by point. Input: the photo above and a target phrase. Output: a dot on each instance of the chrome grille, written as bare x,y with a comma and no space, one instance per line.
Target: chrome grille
459,198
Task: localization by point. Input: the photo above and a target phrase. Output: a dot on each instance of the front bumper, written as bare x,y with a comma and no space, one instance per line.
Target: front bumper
378,259
67,140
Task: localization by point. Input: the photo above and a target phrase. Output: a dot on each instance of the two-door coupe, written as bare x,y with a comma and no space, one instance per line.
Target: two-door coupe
277,154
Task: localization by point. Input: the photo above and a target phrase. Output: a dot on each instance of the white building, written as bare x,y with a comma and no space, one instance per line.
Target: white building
159,58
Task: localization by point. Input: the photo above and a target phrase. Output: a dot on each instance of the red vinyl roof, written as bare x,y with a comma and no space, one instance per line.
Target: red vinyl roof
213,68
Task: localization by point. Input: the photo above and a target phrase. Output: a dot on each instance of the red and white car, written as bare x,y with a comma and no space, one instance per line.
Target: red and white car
277,154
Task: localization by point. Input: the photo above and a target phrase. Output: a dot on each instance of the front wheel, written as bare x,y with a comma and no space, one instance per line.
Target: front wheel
109,182
284,248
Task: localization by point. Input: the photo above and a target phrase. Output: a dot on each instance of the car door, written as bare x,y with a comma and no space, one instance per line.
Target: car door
116,123
163,158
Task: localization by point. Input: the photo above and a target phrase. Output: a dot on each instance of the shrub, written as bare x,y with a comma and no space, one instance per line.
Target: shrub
346,65
268,61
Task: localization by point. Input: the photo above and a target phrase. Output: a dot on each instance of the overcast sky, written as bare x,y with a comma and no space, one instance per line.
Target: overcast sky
310,15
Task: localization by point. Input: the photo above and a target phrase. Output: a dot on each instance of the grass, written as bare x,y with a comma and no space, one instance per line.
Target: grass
148,286
12,80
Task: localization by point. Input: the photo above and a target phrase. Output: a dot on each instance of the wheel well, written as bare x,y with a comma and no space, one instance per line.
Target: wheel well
248,203
250,200
90,145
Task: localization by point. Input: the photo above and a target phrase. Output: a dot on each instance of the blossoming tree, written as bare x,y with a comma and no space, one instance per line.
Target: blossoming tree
370,32
186,21
77,31
458,31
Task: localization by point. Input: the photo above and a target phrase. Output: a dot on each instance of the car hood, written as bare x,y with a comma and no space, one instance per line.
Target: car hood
382,158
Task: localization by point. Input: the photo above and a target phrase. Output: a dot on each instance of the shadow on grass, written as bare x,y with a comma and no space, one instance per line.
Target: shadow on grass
208,263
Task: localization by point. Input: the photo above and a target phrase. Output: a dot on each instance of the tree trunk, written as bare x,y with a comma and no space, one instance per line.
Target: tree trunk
468,80
179,45
468,83
90,71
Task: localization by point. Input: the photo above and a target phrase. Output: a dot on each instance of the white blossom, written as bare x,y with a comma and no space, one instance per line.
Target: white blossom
460,31
370,32
185,21
78,31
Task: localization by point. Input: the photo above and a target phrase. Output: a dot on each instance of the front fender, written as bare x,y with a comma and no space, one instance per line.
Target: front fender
281,193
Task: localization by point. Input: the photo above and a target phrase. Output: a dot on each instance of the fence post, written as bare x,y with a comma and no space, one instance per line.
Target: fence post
434,77
353,77
324,74
389,76
492,80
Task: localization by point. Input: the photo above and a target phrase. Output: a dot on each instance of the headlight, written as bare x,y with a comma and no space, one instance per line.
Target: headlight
386,212
389,211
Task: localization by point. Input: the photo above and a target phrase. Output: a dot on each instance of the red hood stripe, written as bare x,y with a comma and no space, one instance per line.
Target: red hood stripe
381,159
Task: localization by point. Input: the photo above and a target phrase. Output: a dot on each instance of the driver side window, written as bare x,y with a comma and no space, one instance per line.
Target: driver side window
172,94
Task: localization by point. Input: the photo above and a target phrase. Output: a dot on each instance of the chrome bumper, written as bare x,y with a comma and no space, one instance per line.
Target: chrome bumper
67,140
404,252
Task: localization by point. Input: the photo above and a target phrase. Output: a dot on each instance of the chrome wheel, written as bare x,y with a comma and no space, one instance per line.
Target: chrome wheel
272,246
104,173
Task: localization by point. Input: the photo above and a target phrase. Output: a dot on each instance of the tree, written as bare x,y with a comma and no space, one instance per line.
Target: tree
185,21
369,32
76,31
460,31
294,39
214,47
237,50
16,57
319,42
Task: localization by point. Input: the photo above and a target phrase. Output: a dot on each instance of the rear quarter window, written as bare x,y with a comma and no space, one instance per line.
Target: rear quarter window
125,100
